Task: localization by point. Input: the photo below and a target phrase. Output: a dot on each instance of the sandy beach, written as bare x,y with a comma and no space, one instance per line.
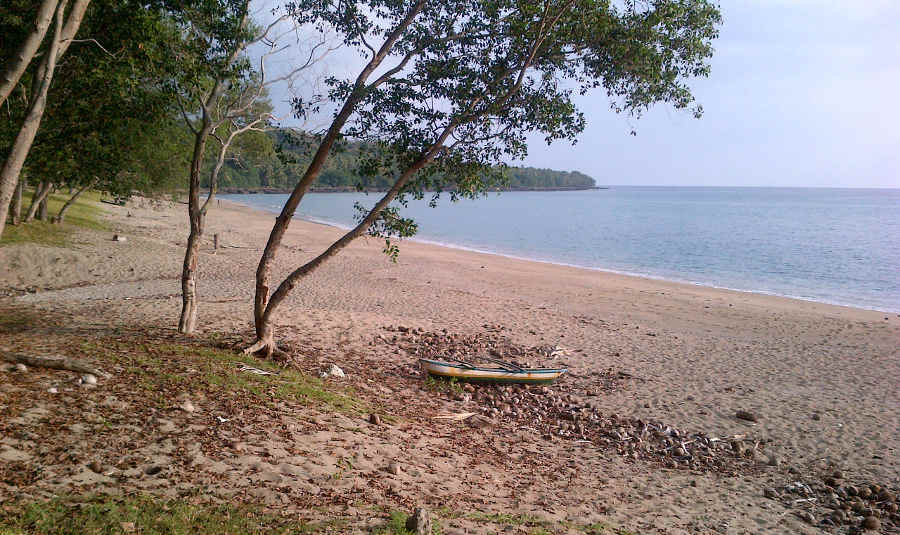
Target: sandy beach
821,381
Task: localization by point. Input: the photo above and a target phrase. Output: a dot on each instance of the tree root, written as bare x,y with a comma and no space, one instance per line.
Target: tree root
266,348
56,363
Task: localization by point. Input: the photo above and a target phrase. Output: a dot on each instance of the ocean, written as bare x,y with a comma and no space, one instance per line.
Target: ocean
839,246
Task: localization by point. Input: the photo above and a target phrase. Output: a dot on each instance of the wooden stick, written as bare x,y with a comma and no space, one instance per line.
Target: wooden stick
56,363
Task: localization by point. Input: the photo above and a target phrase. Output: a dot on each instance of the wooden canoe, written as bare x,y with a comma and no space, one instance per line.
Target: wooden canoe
465,372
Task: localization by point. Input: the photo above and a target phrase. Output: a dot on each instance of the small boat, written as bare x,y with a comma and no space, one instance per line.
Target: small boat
505,372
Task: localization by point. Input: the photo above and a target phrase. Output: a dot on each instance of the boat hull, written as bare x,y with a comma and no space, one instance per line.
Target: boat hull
466,374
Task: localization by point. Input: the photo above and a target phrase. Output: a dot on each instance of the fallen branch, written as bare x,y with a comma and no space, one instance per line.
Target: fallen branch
56,363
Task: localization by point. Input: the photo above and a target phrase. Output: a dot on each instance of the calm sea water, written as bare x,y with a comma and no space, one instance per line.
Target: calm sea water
832,245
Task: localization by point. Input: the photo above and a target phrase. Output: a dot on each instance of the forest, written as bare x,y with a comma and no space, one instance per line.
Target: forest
279,165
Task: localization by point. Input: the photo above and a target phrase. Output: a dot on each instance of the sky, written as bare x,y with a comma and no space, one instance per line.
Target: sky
802,93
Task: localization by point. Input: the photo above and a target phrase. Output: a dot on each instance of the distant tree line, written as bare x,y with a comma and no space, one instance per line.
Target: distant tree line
277,161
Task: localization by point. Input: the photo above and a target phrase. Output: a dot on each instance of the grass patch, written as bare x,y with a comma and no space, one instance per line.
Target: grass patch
443,385
146,515
15,321
397,525
160,367
85,212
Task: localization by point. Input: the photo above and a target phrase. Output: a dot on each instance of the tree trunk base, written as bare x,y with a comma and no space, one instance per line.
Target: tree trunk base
266,347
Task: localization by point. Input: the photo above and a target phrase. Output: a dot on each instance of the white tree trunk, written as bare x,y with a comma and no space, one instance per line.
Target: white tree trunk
16,66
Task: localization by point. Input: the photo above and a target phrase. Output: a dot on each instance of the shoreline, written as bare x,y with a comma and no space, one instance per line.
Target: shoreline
638,275
818,381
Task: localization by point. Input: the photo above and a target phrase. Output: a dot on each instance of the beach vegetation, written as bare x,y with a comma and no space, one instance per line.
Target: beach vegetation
84,212
451,91
148,515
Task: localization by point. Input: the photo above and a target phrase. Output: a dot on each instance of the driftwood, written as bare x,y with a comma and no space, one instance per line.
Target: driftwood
56,363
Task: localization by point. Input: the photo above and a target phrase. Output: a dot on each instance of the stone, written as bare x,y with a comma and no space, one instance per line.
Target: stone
333,371
153,470
89,379
53,390
21,367
774,460
419,522
119,238
127,527
394,468
816,416
96,467
872,522
770,493
187,406
807,517
746,415
374,419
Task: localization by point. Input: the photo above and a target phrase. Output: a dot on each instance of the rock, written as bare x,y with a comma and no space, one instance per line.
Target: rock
838,517
374,419
816,416
851,490
807,517
746,415
53,390
127,527
394,468
419,522
838,474
21,367
333,371
872,522
96,467
774,460
770,493
153,470
119,238
88,379
187,406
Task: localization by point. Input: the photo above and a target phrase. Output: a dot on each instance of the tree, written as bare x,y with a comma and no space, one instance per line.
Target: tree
66,26
31,41
453,106
221,97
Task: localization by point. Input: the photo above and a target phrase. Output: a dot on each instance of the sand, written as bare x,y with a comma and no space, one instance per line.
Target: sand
823,380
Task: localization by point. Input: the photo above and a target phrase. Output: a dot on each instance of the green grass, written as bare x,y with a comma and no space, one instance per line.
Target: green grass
84,213
397,525
443,385
146,515
153,364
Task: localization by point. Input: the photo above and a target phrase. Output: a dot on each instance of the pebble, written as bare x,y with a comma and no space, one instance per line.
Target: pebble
770,493
807,517
96,467
394,468
53,390
872,522
153,470
88,379
374,419
816,416
21,367
774,460
746,415
333,371
187,406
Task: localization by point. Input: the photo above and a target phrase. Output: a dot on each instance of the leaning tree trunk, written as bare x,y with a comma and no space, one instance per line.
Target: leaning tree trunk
17,203
12,167
62,38
265,330
40,193
15,68
62,211
283,220
43,209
